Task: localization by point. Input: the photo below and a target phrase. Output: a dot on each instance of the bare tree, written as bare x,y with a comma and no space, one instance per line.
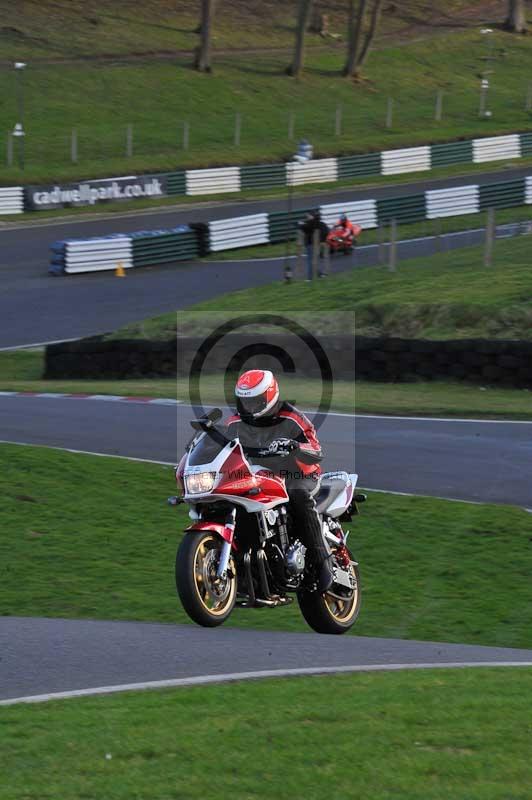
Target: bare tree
362,27
303,20
516,19
203,52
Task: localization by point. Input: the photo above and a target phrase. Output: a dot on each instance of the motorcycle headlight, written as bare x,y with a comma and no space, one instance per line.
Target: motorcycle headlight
200,482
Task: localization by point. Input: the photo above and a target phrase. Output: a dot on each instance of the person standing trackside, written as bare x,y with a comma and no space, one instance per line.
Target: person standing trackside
313,222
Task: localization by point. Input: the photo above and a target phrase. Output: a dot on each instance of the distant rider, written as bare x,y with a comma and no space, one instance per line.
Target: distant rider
266,423
346,227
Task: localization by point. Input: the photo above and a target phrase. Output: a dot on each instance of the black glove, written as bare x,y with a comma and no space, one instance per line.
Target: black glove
280,447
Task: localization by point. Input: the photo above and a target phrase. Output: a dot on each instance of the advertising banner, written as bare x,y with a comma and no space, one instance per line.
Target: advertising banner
93,192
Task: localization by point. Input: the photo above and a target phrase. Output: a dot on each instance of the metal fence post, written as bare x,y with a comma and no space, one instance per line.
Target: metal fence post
380,243
238,128
129,141
528,104
315,253
291,124
490,236
483,102
389,113
186,135
338,121
326,256
299,270
9,149
74,146
439,106
437,235
392,263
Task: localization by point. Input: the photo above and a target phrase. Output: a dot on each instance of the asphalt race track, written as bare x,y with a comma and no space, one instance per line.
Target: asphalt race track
83,654
35,307
469,460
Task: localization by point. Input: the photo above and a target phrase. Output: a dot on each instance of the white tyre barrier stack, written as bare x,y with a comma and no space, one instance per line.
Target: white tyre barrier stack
227,234
12,200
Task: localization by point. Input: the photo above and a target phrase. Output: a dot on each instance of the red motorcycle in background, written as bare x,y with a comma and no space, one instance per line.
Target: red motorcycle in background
343,239
242,547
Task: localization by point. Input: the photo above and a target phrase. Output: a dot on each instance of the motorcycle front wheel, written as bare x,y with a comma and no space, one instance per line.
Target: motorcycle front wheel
207,599
326,613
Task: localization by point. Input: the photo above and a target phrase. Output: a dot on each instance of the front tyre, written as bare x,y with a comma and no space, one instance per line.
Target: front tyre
326,613
207,599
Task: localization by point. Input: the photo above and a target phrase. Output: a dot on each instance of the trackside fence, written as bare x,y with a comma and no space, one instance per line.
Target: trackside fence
233,180
188,242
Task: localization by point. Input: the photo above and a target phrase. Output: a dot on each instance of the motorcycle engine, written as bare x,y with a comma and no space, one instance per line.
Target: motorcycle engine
295,558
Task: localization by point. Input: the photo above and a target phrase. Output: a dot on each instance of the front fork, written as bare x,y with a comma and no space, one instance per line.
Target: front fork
227,545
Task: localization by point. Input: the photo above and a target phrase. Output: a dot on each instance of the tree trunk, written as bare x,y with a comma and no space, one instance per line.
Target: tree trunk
359,42
203,53
516,20
370,35
303,19
354,35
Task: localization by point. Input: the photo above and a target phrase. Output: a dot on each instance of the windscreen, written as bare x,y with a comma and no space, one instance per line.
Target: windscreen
208,446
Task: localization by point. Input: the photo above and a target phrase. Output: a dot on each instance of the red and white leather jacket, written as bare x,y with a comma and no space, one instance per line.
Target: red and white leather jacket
287,423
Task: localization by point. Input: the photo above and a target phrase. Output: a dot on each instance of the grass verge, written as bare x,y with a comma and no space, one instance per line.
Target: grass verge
414,736
446,296
21,371
158,97
86,537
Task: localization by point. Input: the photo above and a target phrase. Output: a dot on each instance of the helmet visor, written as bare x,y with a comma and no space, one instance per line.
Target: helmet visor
253,405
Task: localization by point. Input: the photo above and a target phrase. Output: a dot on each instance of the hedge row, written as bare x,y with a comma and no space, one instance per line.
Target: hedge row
505,362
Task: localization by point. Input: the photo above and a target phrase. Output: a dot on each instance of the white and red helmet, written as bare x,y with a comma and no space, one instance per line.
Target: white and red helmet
257,393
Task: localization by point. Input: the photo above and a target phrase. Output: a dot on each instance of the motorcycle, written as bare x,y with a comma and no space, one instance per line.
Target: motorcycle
342,240
242,547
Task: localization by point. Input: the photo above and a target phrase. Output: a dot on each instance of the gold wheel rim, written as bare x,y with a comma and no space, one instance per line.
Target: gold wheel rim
343,611
215,594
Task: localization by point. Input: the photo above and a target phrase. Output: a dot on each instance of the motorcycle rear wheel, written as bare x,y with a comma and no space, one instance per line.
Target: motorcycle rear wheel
326,614
207,599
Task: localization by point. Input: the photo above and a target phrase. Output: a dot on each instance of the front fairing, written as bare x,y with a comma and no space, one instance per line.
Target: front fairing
234,478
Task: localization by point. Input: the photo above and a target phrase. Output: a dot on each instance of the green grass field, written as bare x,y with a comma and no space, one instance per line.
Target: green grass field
99,99
88,537
463,734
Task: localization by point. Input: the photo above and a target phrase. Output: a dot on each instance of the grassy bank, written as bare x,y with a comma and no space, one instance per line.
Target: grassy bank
413,736
93,538
446,296
22,371
157,97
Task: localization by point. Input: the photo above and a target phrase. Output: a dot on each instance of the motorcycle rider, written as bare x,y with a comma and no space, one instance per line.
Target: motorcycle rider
346,227
266,424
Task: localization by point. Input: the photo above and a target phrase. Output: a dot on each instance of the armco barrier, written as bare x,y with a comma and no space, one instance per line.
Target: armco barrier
505,362
228,234
452,202
162,247
364,212
224,180
213,181
96,255
189,242
143,248
496,148
324,170
12,200
414,159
